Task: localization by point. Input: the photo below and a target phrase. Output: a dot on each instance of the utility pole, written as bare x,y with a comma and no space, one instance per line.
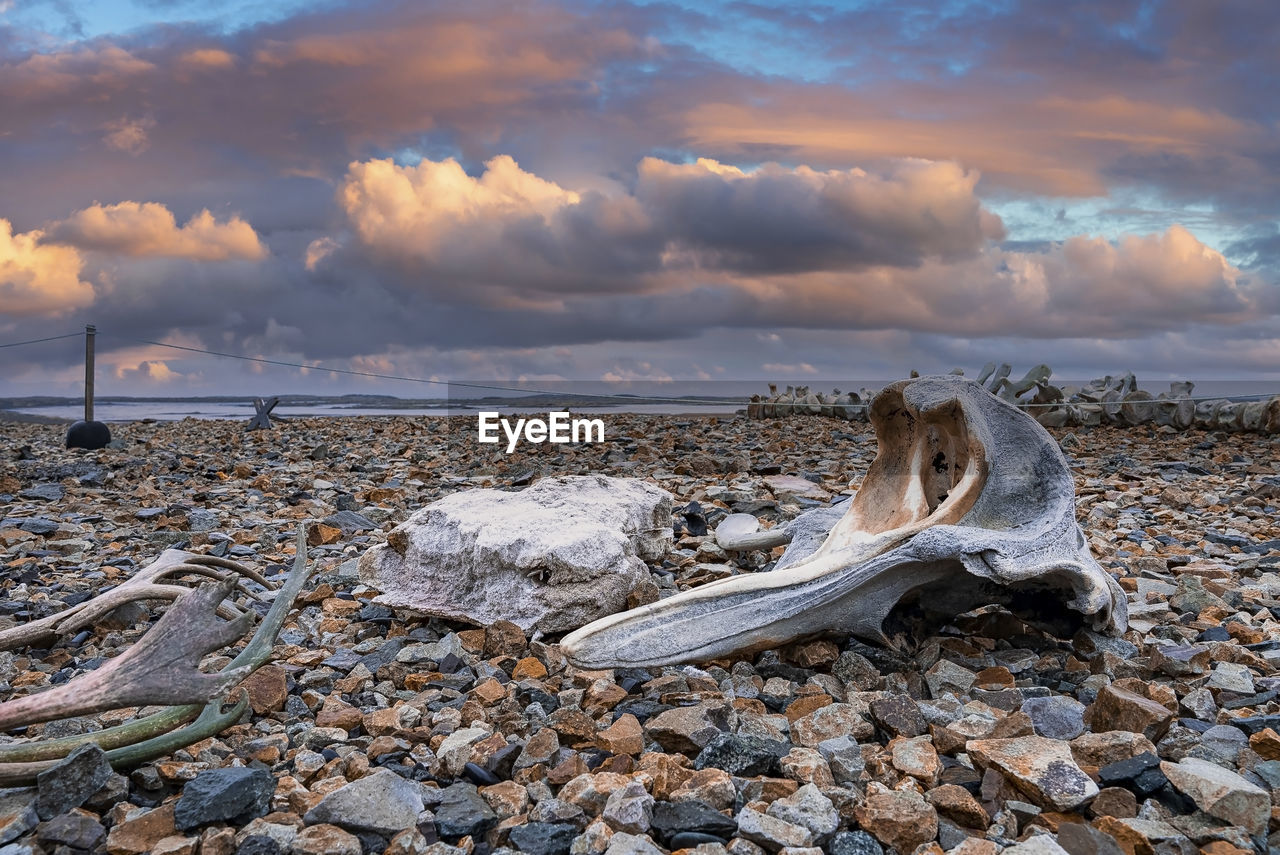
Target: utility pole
90,331
88,433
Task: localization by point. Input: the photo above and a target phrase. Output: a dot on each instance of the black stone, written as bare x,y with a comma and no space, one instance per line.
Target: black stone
71,781
744,756
34,525
350,522
72,829
371,841
502,761
479,776
1214,633
258,844
233,794
695,522
642,708
1174,799
672,818
543,838
44,492
462,812
898,715
1256,723
855,843
90,435
1140,773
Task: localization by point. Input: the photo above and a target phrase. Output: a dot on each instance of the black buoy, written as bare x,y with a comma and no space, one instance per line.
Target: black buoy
87,433
91,435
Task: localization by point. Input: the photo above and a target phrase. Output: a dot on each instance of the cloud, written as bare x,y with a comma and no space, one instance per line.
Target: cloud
515,235
128,135
789,369
38,279
149,229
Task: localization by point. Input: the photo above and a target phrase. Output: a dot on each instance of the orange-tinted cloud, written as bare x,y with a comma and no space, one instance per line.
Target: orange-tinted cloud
39,279
149,229
519,233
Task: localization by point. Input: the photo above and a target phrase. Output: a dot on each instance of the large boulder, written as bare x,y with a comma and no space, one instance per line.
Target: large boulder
553,557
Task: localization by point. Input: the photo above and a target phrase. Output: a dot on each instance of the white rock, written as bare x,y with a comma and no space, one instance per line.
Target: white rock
554,557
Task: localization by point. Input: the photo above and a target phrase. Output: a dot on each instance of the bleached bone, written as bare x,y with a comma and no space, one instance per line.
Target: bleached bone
969,501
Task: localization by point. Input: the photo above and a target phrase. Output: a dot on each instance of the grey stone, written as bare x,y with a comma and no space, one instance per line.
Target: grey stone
552,557
381,802
629,809
1056,716
855,843
17,813
350,522
844,757
809,808
75,829
202,519
233,793
1221,793
770,832
1231,677
44,492
622,843
1040,844
71,781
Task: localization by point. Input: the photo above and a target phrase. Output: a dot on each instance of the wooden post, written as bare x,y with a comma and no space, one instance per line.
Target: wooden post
89,332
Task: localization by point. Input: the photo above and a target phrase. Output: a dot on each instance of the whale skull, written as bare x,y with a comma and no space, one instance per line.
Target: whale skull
968,502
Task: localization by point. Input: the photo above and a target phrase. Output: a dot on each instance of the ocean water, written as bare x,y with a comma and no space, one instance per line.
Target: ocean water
733,395
165,411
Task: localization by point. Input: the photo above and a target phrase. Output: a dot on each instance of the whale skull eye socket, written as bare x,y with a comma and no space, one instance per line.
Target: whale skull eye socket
968,501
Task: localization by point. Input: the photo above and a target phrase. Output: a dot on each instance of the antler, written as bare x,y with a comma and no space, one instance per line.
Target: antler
161,668
144,585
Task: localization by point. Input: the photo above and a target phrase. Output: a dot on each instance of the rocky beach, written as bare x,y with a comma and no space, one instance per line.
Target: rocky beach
377,730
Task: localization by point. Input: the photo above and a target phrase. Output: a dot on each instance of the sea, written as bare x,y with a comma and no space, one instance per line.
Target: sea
709,399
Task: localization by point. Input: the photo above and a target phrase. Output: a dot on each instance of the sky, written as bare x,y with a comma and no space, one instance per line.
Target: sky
635,191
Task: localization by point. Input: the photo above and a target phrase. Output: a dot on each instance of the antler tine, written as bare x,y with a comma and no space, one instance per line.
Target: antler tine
161,668
227,564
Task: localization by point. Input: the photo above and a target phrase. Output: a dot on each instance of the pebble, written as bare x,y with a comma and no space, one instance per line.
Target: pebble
235,793
1042,768
745,756
900,819
381,802
827,728
544,838
1220,792
672,818
71,781
770,832
808,807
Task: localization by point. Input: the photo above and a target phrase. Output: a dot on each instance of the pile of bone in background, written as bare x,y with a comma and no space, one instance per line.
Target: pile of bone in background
1106,400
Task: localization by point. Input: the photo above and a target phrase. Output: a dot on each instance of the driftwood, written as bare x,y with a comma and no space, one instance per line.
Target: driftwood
161,668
